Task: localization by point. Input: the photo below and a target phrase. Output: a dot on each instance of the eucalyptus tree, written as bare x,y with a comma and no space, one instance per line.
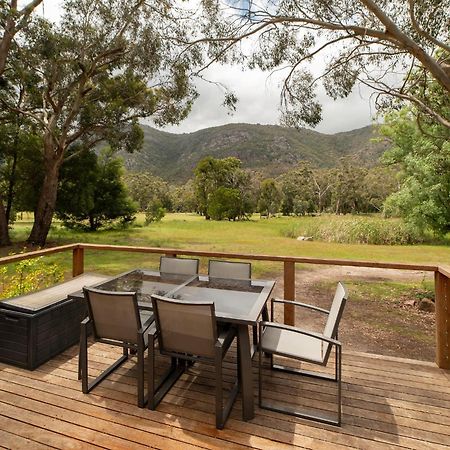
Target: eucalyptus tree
12,21
394,47
269,201
422,151
92,76
219,183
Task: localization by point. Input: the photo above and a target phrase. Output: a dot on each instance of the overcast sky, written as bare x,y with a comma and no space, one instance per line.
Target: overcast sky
259,98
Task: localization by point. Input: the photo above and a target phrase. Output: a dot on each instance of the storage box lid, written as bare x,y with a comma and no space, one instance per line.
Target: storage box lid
36,301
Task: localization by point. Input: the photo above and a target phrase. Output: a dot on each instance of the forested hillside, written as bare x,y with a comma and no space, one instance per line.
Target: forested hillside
268,149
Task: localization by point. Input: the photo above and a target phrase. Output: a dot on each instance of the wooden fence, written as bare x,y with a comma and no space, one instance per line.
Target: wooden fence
441,274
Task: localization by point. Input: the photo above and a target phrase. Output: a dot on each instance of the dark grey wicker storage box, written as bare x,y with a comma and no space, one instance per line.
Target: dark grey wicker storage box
38,326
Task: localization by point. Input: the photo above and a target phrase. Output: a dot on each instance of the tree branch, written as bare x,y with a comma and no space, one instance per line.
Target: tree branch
422,32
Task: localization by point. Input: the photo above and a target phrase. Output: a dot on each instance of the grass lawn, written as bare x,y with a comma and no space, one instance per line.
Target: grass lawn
190,231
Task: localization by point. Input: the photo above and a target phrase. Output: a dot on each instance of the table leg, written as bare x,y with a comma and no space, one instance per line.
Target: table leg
248,408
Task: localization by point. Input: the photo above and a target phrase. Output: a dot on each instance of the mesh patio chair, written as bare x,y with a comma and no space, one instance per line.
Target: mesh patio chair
115,319
188,332
236,271
229,269
183,266
307,346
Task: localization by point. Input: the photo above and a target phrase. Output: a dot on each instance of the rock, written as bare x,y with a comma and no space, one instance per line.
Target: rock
425,304
410,303
305,238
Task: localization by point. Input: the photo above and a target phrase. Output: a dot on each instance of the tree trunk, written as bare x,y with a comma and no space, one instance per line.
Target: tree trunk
12,179
92,224
47,200
4,231
7,37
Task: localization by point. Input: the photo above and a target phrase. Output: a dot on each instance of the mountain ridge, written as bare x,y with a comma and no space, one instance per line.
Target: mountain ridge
268,149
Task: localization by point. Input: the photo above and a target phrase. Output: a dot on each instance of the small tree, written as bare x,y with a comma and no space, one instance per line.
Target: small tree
269,198
154,212
91,192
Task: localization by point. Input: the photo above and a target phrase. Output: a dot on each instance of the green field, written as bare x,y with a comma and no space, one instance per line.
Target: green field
257,236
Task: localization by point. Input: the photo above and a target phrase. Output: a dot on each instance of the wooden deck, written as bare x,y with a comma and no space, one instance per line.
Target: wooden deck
387,403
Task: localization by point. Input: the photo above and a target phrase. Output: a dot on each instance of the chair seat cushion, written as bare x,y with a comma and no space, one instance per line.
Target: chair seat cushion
292,344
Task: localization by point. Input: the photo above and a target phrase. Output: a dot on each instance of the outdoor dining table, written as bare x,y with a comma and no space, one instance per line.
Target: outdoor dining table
240,302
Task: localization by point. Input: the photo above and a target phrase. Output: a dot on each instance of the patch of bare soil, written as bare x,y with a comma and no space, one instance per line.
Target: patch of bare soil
392,326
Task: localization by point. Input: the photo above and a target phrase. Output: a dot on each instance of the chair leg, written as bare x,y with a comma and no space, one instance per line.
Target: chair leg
337,378
305,373
339,381
86,386
82,359
219,390
260,375
223,410
151,372
140,375
156,394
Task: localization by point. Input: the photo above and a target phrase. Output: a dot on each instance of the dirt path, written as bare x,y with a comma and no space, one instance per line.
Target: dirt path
389,326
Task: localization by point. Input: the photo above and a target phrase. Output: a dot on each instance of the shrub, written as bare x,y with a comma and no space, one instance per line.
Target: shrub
154,212
29,275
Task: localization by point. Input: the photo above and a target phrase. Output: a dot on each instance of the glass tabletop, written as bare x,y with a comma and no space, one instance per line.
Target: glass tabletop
234,300
146,283
239,301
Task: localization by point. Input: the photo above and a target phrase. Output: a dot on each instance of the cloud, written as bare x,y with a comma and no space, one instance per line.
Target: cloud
259,102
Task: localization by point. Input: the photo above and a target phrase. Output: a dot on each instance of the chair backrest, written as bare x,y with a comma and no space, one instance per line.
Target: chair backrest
114,315
185,327
334,316
184,266
229,269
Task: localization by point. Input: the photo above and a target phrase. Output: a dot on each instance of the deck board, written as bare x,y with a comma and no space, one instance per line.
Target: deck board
388,403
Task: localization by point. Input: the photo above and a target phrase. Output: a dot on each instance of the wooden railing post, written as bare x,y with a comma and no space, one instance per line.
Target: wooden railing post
289,292
442,303
77,261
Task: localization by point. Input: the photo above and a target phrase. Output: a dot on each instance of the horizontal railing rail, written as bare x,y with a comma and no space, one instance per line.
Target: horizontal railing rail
441,275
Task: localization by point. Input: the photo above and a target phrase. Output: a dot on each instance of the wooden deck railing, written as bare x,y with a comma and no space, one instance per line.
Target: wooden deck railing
441,273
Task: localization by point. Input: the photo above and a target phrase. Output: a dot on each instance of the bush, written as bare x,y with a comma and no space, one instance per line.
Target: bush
154,212
29,275
358,230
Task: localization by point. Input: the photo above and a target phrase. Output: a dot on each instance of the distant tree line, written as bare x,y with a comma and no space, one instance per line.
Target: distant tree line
222,189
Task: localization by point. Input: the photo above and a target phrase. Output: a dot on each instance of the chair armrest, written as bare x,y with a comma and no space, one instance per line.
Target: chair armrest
300,331
303,305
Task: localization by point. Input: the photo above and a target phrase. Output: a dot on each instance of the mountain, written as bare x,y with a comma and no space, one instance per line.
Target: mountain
269,149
